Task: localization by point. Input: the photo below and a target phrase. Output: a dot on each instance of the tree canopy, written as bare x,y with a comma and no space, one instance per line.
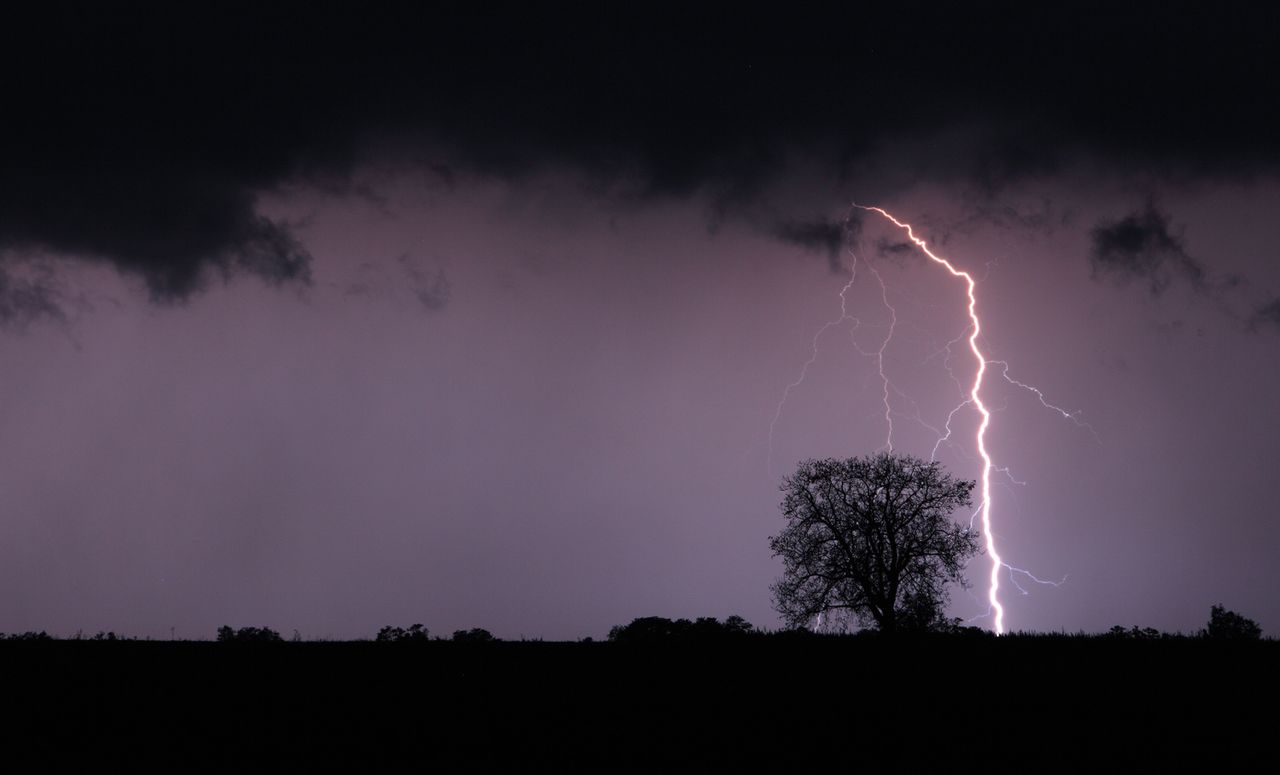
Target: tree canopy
227,634
658,629
1229,625
870,540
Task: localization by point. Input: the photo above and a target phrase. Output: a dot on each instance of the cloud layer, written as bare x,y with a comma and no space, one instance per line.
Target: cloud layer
144,138
1142,246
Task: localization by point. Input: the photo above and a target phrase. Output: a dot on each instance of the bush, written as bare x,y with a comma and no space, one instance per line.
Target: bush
649,629
1229,625
416,633
248,635
29,636
473,635
1135,633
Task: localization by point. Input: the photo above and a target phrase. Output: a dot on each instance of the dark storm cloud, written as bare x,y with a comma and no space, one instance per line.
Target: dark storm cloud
1267,314
886,247
1142,246
144,136
432,289
818,236
1041,218
169,228
24,300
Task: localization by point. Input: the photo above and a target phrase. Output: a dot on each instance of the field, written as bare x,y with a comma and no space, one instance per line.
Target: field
1019,702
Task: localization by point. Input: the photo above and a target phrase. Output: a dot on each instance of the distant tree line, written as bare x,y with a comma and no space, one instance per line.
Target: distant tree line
650,629
417,633
248,635
32,636
1223,625
44,636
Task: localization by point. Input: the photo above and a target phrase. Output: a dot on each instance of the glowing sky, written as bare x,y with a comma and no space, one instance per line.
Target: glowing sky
335,337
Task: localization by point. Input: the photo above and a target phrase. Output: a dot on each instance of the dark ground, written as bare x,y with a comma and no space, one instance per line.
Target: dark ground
1017,703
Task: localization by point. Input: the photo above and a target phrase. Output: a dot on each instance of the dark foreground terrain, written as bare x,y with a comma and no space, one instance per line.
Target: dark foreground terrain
793,703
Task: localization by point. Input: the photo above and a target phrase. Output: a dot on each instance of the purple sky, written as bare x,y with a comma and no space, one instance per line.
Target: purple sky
324,319
577,435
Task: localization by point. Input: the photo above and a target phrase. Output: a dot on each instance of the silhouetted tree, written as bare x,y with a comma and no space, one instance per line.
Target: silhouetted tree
248,635
1135,633
416,633
1229,625
473,635
737,625
651,629
644,628
29,635
871,540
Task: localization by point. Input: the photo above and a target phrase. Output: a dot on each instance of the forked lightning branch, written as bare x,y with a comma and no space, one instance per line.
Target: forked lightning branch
973,398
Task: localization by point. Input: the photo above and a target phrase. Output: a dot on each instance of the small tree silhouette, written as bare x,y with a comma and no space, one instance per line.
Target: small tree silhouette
1135,633
248,635
473,635
416,633
1229,625
737,625
657,629
29,636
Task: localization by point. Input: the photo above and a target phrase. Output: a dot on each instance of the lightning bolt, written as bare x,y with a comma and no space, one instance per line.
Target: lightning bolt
1072,416
975,398
879,356
876,355
813,357
972,396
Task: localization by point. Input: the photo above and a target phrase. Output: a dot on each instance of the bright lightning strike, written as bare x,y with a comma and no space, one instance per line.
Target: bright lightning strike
975,397
972,396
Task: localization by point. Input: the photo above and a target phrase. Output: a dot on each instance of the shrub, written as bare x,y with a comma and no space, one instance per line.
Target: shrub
248,635
1229,625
